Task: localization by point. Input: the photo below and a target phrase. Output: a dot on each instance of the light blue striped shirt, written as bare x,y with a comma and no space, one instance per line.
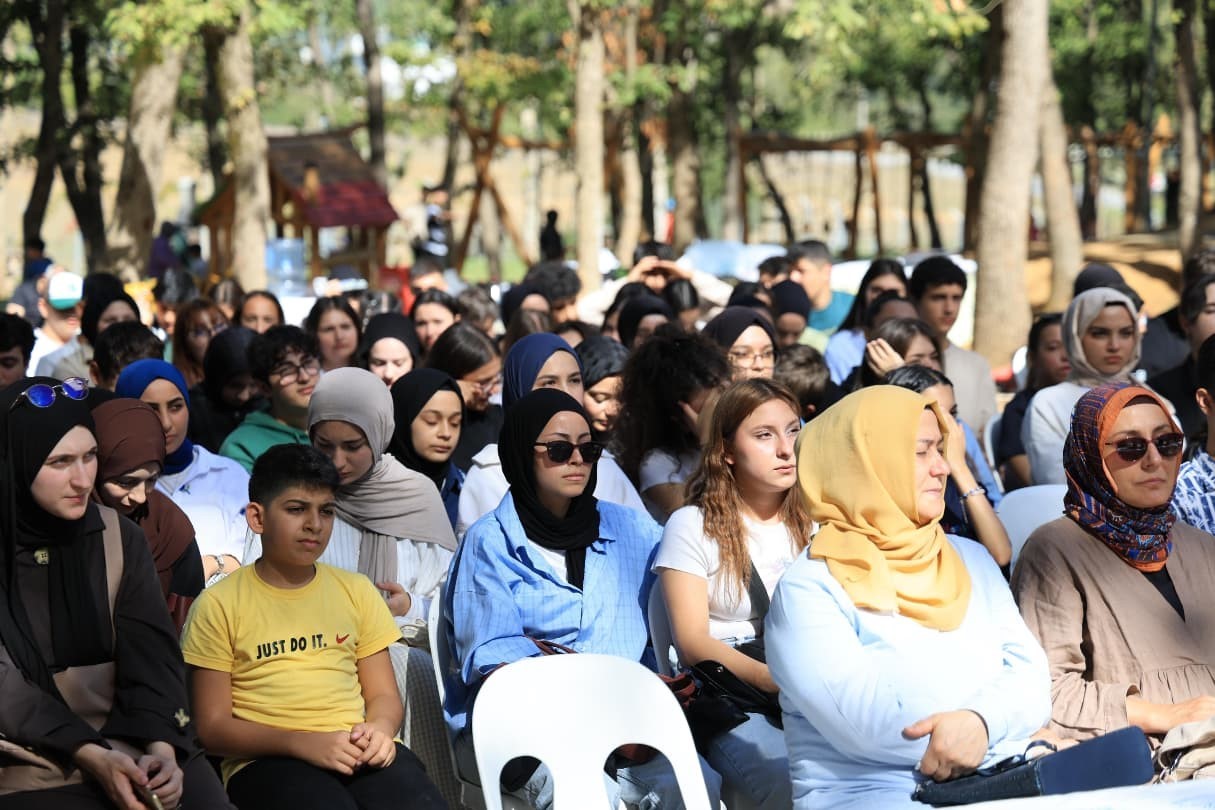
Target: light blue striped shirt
500,590
1194,497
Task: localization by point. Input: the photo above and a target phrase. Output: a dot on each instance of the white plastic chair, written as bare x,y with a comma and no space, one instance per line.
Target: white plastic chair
660,629
471,796
591,690
1024,510
990,431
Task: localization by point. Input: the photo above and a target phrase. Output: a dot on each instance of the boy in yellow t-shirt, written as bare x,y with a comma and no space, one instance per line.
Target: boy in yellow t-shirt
292,682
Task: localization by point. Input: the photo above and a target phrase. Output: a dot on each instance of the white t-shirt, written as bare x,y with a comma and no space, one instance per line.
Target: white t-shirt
684,547
659,467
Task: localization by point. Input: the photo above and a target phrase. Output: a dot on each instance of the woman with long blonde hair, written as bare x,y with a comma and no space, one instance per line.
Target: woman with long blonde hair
720,560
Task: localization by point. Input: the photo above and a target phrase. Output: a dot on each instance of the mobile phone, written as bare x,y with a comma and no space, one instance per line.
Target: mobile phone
149,799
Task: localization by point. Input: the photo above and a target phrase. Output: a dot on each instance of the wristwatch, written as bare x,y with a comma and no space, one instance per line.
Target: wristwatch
220,570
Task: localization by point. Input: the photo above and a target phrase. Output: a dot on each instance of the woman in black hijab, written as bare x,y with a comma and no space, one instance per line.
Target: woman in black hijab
228,391
389,348
428,412
94,683
748,340
551,563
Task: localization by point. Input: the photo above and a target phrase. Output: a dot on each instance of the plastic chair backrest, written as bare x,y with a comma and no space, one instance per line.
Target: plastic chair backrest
605,702
660,629
1024,510
991,432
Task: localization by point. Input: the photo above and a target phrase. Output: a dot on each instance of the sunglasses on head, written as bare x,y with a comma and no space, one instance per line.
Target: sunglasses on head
561,451
43,395
1134,448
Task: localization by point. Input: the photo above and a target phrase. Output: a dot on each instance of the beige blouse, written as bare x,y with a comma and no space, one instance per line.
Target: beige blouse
1108,633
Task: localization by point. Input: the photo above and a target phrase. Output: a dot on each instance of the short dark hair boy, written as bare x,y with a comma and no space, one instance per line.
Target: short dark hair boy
120,345
16,346
293,683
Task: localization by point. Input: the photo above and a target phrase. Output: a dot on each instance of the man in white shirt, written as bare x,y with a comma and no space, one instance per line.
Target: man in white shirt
936,288
60,309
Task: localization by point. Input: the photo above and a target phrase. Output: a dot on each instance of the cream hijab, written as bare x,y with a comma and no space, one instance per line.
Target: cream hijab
856,469
391,501
1081,312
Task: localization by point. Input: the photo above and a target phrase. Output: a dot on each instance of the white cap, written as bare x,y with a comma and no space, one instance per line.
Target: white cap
64,290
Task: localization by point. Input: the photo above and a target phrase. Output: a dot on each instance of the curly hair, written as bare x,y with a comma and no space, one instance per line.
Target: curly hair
714,488
666,370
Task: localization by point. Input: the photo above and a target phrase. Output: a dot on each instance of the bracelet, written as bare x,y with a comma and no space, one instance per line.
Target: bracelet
977,490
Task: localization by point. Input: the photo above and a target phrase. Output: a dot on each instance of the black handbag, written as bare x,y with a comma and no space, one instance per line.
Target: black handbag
716,681
1118,759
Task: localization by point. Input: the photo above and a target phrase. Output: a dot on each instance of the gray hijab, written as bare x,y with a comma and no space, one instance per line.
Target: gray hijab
391,501
1081,312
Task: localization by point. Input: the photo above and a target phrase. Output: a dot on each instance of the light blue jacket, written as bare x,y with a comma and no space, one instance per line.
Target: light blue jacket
851,680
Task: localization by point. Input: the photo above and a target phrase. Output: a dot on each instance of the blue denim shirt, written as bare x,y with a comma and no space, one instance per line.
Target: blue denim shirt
499,592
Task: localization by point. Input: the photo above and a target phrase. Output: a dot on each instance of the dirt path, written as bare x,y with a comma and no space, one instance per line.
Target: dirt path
1150,263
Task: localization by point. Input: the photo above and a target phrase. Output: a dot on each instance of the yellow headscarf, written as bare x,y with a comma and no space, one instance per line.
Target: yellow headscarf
856,468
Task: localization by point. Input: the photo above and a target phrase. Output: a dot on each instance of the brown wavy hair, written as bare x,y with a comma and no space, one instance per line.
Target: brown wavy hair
714,489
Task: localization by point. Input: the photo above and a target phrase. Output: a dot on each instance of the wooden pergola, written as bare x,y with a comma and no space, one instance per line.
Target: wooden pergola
317,181
864,145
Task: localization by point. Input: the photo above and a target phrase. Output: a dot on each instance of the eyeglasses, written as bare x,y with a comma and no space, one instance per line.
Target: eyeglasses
488,386
745,358
288,373
200,332
562,451
1133,448
43,395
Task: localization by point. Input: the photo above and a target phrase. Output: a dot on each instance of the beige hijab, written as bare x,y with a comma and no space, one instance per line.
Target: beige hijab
1081,312
391,501
856,469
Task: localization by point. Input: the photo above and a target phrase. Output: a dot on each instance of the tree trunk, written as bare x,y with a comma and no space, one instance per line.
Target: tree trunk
213,108
153,101
320,74
461,45
247,145
685,170
1002,315
588,147
628,233
731,90
930,212
1062,220
48,39
1208,30
782,210
975,128
1189,201
1142,204
81,171
375,89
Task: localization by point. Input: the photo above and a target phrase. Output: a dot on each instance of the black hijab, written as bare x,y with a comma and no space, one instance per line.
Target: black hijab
575,532
731,322
226,358
409,396
81,635
634,310
389,325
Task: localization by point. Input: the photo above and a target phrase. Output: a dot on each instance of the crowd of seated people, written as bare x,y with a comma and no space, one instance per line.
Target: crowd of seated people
224,535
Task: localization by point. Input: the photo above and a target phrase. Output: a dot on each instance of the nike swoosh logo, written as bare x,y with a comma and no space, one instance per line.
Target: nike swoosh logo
342,639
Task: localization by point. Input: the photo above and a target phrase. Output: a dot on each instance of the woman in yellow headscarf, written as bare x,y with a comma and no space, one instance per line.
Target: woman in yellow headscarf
898,650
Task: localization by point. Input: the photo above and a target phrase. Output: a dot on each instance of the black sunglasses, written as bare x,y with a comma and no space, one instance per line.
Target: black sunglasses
561,451
1134,448
43,395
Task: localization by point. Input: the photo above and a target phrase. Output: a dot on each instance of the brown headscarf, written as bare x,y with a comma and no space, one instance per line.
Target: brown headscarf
129,436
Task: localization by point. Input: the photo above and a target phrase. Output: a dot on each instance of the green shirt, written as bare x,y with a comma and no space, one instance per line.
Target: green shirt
255,435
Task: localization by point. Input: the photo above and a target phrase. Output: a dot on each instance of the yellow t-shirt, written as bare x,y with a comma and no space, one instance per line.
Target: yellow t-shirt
292,653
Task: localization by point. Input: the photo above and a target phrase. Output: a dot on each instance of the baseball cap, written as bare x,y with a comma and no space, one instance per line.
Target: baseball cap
64,290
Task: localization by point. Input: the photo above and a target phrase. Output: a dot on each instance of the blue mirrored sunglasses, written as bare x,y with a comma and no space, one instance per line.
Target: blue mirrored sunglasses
42,395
